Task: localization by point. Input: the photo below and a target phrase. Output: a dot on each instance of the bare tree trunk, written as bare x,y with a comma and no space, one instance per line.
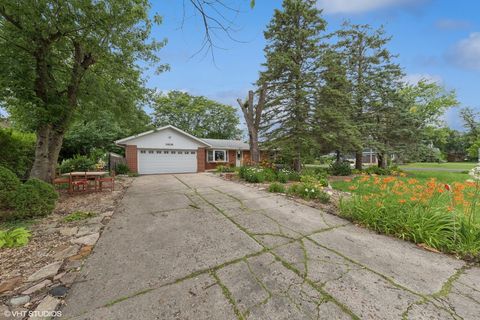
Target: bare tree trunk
338,158
359,160
252,114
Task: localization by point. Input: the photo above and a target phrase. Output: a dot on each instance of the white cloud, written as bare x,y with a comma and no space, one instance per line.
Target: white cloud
414,78
466,53
360,6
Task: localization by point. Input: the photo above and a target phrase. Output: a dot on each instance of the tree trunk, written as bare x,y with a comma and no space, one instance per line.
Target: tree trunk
338,157
359,160
47,149
381,161
255,152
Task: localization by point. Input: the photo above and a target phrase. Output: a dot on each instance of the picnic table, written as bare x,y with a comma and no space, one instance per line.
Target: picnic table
86,173
84,180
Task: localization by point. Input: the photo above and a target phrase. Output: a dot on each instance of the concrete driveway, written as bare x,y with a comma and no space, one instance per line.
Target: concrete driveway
198,247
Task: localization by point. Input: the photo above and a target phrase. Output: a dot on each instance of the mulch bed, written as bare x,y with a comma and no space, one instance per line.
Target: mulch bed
49,238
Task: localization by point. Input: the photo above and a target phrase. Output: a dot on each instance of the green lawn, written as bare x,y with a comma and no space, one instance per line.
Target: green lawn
441,176
446,165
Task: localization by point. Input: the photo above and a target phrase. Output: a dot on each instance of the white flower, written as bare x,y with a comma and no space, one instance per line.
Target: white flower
475,173
313,190
306,189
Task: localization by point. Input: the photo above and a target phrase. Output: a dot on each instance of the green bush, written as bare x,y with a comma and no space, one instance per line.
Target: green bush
378,171
9,183
17,151
309,192
227,168
340,169
252,174
34,198
77,163
122,168
276,187
14,238
269,174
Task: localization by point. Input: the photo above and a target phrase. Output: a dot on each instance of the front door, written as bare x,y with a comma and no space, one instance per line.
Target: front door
238,163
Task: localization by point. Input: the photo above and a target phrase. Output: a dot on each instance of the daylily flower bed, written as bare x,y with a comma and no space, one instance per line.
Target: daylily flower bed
442,216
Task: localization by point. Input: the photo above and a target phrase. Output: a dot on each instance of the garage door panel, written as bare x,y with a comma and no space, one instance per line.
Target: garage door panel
161,162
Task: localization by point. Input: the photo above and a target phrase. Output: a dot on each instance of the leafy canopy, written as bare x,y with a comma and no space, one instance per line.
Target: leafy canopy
196,115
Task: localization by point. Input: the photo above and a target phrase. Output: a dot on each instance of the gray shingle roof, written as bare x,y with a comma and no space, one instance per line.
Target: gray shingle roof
227,144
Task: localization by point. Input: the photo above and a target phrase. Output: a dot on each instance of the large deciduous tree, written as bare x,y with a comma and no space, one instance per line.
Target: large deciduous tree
291,74
57,57
196,115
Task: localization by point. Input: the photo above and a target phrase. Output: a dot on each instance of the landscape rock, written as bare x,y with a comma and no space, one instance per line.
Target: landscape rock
10,284
48,304
37,287
84,251
89,229
70,251
89,240
107,214
95,220
68,278
19,300
73,265
47,271
59,291
68,231
59,276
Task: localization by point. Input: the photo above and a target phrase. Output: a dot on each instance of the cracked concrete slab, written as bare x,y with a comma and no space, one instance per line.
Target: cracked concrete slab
419,270
222,250
197,298
138,251
264,289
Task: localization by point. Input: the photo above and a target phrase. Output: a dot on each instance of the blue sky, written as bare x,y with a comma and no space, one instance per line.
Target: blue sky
435,39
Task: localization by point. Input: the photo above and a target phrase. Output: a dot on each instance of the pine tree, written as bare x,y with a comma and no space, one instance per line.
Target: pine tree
373,76
333,125
292,70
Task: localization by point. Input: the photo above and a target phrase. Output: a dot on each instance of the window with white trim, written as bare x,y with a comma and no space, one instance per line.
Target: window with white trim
217,156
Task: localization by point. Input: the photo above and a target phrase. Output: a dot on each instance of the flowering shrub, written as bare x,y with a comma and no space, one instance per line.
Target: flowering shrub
439,215
309,192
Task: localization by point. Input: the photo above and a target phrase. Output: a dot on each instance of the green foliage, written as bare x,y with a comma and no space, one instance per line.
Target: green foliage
14,238
292,52
253,174
9,183
79,215
34,198
122,168
309,191
276,187
77,163
422,210
198,116
55,55
17,151
340,169
227,168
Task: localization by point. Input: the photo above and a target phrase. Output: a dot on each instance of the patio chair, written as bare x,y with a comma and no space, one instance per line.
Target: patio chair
60,181
107,182
81,183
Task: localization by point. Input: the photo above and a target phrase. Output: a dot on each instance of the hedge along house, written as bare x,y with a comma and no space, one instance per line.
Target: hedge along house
171,150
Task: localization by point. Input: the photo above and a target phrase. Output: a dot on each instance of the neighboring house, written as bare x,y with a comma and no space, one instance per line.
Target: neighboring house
171,150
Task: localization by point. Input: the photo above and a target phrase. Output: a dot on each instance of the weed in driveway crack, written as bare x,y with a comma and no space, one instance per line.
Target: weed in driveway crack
228,295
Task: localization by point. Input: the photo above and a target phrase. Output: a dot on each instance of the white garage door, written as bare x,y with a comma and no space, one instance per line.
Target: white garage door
167,161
